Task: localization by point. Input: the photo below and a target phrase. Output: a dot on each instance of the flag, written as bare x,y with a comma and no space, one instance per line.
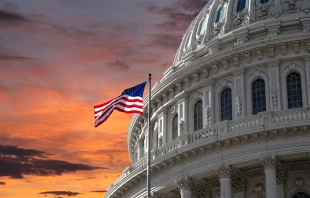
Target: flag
130,101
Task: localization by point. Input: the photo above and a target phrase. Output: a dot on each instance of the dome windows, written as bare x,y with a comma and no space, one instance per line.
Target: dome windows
198,116
241,5
202,26
264,1
258,96
175,127
226,105
294,93
220,15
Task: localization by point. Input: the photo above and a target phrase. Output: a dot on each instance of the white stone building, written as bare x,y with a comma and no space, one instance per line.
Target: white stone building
231,116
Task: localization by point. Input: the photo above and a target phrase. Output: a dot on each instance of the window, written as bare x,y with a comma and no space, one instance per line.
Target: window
202,25
198,115
294,94
258,96
241,5
226,105
175,127
220,15
301,195
263,1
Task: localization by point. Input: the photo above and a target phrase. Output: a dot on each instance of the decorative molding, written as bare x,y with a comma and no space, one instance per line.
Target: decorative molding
208,114
185,183
224,171
225,64
269,162
281,176
239,104
155,195
239,185
206,193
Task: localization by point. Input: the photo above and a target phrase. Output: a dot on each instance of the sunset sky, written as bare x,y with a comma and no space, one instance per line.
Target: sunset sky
59,58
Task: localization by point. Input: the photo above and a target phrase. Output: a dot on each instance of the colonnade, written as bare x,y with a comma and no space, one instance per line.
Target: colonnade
225,173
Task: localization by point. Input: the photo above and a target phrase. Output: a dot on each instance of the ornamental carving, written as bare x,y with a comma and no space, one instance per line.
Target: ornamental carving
274,96
224,171
281,175
277,11
271,52
296,48
205,193
185,183
239,104
160,141
258,189
247,57
239,185
236,60
269,162
283,49
259,54
208,114
181,126
225,64
217,28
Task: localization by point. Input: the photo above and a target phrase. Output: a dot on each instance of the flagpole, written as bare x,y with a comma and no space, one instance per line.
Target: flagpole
149,143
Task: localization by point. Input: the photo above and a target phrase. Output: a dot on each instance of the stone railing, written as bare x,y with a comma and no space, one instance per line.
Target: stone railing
250,124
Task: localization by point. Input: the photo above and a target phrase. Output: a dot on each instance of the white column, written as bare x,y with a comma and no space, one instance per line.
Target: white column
274,86
185,184
238,94
208,104
271,176
182,115
307,65
140,149
224,173
163,119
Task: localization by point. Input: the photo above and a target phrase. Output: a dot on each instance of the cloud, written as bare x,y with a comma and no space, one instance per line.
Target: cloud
17,162
119,65
62,193
12,18
2,183
99,191
4,57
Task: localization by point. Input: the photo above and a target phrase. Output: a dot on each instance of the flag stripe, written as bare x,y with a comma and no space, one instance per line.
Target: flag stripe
130,101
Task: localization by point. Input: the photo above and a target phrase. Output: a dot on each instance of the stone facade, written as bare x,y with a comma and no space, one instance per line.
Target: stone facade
251,155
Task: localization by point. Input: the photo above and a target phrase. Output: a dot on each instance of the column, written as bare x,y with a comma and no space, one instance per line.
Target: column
307,65
140,149
224,173
182,115
274,85
269,163
238,94
208,104
185,185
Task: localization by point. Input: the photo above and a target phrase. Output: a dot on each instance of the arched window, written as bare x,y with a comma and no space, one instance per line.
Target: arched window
294,93
202,25
198,115
175,127
263,1
301,195
226,105
220,15
241,5
258,96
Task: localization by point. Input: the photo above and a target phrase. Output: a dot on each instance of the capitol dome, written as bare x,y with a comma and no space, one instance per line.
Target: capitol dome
231,117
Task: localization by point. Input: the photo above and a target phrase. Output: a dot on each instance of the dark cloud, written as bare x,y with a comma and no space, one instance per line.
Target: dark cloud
79,179
99,191
9,58
62,193
178,14
119,65
2,183
17,162
165,41
12,18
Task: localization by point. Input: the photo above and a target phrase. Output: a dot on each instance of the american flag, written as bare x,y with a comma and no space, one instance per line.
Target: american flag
130,101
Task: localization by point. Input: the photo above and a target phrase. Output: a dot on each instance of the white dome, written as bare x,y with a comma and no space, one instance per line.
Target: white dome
237,96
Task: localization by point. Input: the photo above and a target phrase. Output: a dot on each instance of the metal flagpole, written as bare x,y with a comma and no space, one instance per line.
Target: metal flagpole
149,143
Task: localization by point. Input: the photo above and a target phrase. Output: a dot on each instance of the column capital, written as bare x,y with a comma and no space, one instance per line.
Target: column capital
239,185
185,183
269,162
224,171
